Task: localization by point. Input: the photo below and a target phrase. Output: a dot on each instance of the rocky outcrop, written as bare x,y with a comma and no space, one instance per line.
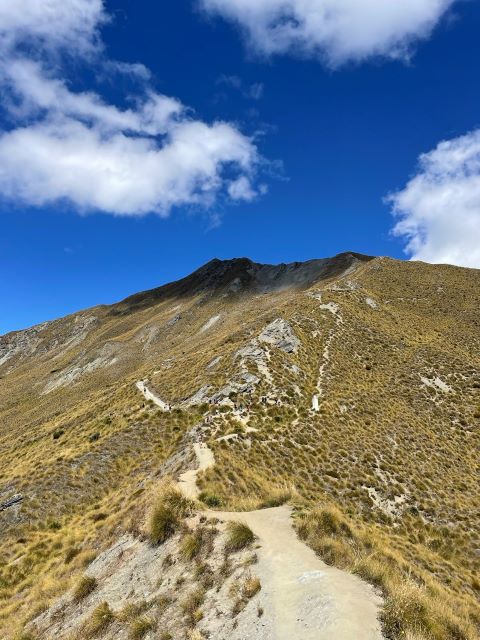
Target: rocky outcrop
280,334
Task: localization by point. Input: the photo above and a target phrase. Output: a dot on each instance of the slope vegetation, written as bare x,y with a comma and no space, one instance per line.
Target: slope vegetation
349,387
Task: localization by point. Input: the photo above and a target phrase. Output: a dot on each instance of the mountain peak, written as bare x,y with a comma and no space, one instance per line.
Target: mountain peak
243,275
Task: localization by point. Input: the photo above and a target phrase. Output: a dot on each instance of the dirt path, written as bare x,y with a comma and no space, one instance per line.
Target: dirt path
149,395
311,600
334,309
187,482
308,600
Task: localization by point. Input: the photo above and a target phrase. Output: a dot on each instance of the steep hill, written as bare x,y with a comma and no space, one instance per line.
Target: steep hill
348,386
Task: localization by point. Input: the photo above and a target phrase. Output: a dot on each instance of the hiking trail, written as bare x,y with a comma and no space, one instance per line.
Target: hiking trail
149,395
307,599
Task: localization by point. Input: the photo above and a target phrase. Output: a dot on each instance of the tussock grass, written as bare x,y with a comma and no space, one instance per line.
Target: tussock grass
378,428
100,620
239,536
191,545
244,593
132,611
139,628
251,587
170,507
415,606
84,588
210,499
191,605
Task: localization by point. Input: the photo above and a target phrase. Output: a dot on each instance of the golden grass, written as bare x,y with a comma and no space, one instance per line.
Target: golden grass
101,618
169,509
84,588
239,536
380,432
414,604
139,628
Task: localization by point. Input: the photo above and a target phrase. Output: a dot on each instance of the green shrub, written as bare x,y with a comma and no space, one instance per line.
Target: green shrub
210,499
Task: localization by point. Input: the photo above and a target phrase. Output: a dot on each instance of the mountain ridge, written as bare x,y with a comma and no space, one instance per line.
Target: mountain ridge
352,392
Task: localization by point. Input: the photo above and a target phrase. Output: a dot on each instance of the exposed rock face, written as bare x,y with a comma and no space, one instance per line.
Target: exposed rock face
133,572
106,357
21,342
198,397
45,337
280,334
243,383
209,324
371,303
241,276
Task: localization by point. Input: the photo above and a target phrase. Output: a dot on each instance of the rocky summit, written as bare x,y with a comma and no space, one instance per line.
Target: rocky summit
254,451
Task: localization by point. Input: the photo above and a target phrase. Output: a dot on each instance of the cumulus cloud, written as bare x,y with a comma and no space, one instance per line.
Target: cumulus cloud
75,147
336,31
66,159
438,211
51,25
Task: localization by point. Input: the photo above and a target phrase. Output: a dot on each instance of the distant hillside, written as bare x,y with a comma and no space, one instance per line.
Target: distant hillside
348,385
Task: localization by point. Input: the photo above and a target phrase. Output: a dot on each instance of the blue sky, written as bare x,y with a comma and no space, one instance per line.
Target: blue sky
318,135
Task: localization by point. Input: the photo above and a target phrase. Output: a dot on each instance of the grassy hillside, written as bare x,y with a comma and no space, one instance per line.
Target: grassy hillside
384,476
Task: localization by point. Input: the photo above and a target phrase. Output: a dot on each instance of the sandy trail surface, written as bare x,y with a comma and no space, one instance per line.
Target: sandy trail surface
308,599
149,395
187,482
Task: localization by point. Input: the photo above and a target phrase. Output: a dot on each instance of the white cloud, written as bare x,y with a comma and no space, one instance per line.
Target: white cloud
71,25
37,92
241,189
439,209
74,147
336,31
68,160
